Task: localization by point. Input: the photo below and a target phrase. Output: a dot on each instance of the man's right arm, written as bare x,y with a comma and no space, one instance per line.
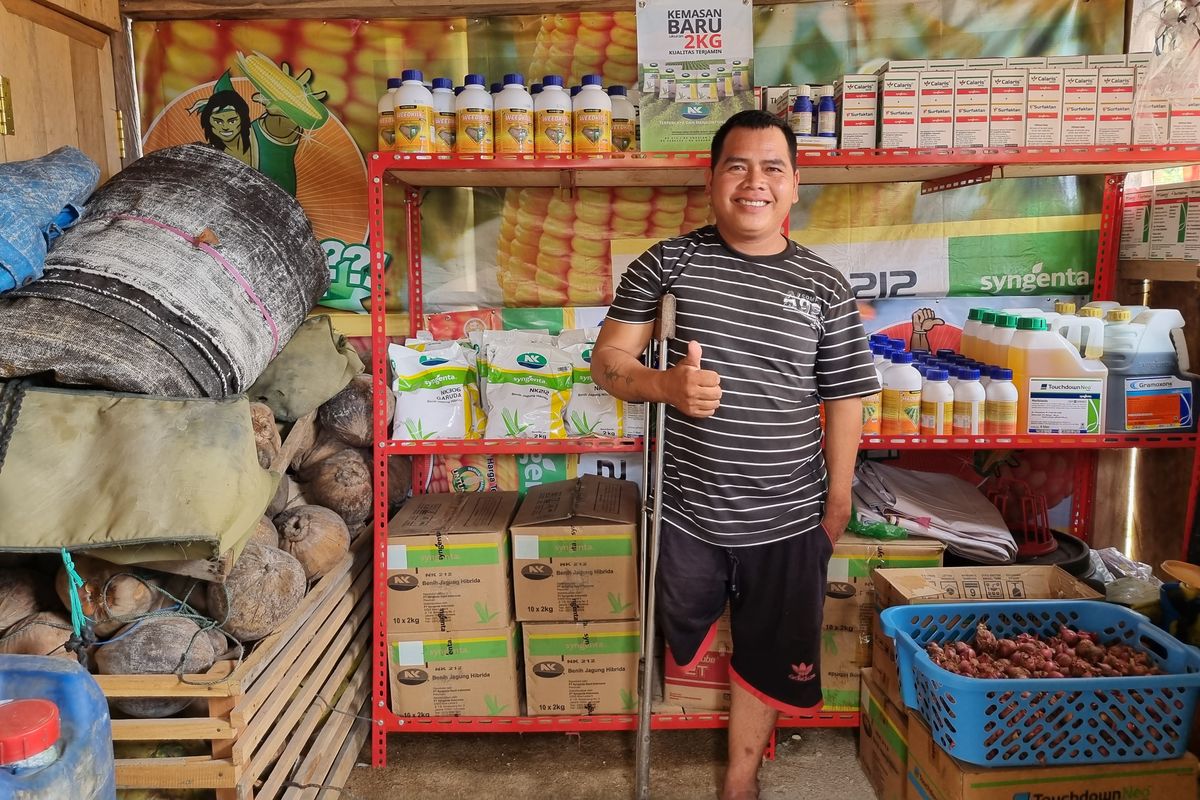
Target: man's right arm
618,370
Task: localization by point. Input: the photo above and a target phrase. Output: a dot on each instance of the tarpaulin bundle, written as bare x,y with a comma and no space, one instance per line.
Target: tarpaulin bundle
39,199
187,274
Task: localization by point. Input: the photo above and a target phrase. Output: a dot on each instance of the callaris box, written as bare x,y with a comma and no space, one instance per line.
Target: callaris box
1043,116
935,109
1006,123
898,109
972,105
1114,119
1080,104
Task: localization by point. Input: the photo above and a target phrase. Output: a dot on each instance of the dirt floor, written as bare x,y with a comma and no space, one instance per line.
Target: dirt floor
810,764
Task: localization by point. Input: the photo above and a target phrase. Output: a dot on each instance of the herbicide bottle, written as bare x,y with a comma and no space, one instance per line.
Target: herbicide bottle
1059,390
1147,360
872,409
827,113
445,127
1000,407
387,117
1085,332
983,340
552,117
1006,327
969,343
901,397
969,399
801,119
937,404
624,121
473,118
413,114
514,116
593,117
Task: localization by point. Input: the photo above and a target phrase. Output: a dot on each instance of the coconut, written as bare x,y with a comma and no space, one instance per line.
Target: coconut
155,646
349,413
399,481
18,596
264,587
342,483
280,500
264,533
45,633
266,435
324,445
111,594
316,536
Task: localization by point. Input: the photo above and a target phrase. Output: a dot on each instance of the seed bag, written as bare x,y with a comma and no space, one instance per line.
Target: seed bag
431,392
528,388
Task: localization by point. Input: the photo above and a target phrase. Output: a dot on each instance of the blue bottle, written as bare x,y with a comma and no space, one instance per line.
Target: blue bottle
827,113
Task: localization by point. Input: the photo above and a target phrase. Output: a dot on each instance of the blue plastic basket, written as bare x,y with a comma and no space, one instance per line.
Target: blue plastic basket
1042,721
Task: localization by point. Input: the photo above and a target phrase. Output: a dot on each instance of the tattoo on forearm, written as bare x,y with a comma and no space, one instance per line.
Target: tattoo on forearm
612,373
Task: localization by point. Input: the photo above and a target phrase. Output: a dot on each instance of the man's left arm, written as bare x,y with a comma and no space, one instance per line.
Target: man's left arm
843,429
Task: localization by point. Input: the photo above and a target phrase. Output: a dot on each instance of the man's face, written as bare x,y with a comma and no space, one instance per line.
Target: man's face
753,187
226,124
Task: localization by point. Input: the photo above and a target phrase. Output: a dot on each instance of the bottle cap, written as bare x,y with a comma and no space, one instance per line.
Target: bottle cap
988,317
902,357
27,727
1032,324
535,88
968,374
1007,320
394,83
827,90
412,75
1091,311
474,80
1063,307
945,352
552,80
1119,315
593,80
576,90
923,369
1001,374
878,337
922,354
458,90
514,78
616,91
897,344
975,314
496,88
443,83
937,375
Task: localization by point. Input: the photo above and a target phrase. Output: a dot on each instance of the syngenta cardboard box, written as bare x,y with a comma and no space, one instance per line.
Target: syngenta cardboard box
898,109
972,106
933,775
882,740
1080,104
448,563
1006,124
469,674
1043,118
574,548
582,667
935,109
1135,222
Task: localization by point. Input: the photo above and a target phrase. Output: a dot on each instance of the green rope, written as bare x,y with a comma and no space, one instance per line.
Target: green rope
75,583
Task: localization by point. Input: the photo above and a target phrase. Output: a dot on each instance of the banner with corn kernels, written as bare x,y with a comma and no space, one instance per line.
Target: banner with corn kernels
306,113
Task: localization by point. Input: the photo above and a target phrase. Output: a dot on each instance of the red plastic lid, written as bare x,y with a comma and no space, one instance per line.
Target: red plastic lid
27,727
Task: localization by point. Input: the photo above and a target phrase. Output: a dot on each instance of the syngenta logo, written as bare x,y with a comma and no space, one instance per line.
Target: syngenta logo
431,361
1036,279
587,355
531,360
1128,793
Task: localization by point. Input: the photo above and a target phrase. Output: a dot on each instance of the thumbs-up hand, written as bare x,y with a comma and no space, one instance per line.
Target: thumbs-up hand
692,389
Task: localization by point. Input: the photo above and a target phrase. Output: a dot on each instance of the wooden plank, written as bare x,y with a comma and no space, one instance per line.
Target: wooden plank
124,95
295,733
50,19
134,730
321,761
193,772
171,685
331,640
111,163
102,14
347,757
90,115
1174,271
18,62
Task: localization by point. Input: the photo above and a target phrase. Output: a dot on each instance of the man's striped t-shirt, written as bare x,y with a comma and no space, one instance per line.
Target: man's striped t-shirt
783,333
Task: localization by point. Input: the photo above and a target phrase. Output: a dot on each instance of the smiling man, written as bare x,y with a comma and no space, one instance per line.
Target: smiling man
754,495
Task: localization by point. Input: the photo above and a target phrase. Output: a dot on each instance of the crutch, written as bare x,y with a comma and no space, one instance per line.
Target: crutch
664,333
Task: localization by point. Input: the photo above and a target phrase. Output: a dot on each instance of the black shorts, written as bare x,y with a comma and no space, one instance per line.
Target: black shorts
775,593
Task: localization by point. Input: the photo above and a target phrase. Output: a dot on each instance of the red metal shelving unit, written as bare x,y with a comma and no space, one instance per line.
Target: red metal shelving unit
937,169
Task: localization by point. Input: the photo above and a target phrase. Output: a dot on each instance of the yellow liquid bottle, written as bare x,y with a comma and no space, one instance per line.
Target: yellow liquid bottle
1058,391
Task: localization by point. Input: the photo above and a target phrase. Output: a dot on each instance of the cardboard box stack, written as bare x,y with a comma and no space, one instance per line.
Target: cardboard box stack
1174,224
452,645
574,556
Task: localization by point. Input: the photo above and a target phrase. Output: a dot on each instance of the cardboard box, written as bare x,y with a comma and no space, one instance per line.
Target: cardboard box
469,674
934,775
972,106
448,563
1080,103
902,587
1184,127
574,549
1027,62
1114,119
775,100
857,99
882,740
1006,123
1151,120
935,109
1066,62
1043,116
1135,222
947,64
1168,222
582,667
706,685
898,109
850,607
1105,60
903,65
987,63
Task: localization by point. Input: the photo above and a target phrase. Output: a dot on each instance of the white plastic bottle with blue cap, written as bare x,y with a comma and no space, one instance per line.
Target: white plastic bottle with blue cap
801,118
901,397
413,114
552,117
445,129
937,403
473,118
827,113
624,121
386,138
592,109
969,399
514,116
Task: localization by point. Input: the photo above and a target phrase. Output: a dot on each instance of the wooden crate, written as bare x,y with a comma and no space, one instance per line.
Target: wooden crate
262,714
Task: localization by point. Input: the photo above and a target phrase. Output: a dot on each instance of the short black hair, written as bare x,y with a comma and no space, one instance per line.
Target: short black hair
753,119
227,98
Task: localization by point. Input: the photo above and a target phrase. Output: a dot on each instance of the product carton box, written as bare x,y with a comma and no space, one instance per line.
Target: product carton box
1151,120
775,100
898,109
582,667
1066,62
904,65
903,587
850,607
1027,62
1135,222
1043,117
1184,127
1106,60
1080,99
972,105
448,563
932,774
857,99
882,740
1006,124
1169,223
468,673
947,64
935,109
1114,120
574,551
987,63
706,685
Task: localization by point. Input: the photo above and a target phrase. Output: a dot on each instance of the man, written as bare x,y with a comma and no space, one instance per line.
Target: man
753,497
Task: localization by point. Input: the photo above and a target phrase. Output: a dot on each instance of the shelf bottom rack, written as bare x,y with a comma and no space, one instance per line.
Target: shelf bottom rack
598,723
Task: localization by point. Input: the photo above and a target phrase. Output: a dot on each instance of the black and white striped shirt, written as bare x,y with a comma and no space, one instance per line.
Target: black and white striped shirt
783,333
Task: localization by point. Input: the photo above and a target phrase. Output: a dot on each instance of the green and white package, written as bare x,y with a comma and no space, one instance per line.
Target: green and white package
431,392
528,387
489,340
591,410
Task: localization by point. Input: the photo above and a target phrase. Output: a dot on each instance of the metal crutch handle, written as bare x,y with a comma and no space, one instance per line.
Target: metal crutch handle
664,332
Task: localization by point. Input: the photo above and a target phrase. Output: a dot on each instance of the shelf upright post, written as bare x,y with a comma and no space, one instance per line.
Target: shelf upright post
1110,237
1191,546
379,702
